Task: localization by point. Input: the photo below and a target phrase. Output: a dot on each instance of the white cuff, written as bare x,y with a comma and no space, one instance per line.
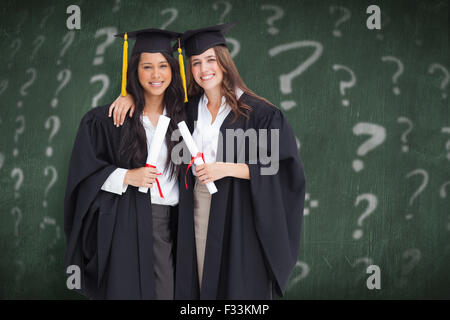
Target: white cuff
115,182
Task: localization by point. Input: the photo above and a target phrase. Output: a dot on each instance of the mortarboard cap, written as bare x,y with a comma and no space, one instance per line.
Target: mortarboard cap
199,40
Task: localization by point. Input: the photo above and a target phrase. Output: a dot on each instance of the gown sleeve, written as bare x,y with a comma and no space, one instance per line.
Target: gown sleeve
278,200
91,163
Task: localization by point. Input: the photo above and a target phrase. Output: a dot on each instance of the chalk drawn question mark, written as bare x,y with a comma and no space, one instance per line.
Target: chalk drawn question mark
443,195
366,261
104,79
63,77
414,256
346,16
54,123
15,46
397,74
236,46
109,33
286,79
372,205
23,19
53,180
436,66
345,84
37,43
26,85
378,134
421,187
48,13
447,145
19,131
303,274
405,147
17,172
228,7
51,222
67,41
173,13
279,13
16,212
3,86
116,6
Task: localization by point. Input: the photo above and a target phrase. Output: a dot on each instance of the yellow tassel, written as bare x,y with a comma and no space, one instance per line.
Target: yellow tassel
183,75
124,66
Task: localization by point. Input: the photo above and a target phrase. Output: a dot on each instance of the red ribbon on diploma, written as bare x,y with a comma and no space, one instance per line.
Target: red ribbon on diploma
157,182
198,155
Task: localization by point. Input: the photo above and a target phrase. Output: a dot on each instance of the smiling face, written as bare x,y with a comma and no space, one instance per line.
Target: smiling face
154,73
206,70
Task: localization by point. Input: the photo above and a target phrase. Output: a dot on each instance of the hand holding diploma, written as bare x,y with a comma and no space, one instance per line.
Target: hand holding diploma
198,159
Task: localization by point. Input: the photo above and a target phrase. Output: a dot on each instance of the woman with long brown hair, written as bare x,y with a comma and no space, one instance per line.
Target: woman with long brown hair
241,242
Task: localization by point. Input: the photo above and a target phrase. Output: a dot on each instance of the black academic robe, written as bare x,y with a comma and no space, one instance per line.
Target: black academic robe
109,236
254,225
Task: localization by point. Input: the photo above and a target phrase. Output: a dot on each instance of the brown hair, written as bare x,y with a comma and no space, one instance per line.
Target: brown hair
231,81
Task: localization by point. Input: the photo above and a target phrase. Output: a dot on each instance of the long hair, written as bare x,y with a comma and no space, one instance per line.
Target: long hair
231,81
133,145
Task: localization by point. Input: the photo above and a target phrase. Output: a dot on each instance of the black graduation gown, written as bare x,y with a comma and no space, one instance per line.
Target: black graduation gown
109,236
254,226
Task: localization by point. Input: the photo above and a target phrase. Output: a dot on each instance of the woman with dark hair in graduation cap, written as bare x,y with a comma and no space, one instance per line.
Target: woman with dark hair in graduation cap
243,241
121,238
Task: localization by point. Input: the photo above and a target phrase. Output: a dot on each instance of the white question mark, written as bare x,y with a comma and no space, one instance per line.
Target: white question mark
15,45
48,11
67,40
346,16
447,145
443,195
51,222
19,131
173,15
405,148
436,66
3,86
228,7
378,134
116,6
345,84
105,81
26,85
415,255
16,211
397,74
236,46
286,79
279,13
421,188
63,77
55,128
37,43
52,182
109,32
17,172
372,205
303,274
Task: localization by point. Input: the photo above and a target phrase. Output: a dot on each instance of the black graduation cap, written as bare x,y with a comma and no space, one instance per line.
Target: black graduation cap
199,40
151,40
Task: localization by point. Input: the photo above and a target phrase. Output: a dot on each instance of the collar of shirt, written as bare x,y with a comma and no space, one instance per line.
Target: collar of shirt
147,123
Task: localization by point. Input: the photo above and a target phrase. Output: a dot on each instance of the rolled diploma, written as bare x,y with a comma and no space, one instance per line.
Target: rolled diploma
194,150
157,141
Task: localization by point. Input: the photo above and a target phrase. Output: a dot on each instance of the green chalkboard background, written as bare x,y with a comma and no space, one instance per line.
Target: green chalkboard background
380,97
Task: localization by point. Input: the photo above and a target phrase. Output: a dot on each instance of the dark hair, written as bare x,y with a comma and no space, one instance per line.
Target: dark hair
133,144
231,81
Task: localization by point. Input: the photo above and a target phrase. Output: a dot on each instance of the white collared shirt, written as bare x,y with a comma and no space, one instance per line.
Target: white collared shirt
206,134
169,187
